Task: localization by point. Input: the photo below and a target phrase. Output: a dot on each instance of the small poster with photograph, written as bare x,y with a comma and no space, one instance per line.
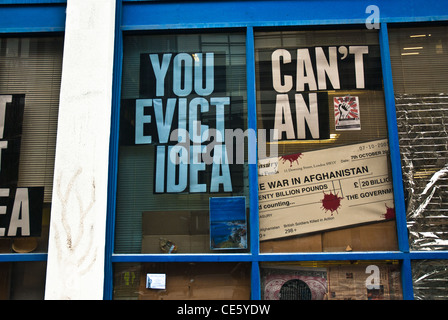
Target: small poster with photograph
228,224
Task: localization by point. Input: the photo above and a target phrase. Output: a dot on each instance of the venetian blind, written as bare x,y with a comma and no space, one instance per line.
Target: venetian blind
32,66
136,173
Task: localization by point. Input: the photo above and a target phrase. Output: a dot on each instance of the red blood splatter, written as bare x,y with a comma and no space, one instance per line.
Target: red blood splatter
291,158
390,213
331,202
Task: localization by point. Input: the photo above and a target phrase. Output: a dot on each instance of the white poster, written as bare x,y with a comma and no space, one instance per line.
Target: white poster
156,281
324,189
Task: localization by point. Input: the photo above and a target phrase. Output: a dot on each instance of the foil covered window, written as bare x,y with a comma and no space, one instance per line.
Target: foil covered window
419,59
430,279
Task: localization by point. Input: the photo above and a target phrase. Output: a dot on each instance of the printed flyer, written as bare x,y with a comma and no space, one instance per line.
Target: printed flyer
324,189
228,225
346,113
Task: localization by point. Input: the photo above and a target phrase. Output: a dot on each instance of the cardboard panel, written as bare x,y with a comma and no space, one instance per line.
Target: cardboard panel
311,243
374,237
380,236
198,281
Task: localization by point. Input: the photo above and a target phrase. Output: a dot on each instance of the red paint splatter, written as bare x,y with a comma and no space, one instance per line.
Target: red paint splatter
291,158
390,213
331,202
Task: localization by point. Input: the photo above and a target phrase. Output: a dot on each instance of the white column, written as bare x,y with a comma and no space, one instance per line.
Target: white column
75,267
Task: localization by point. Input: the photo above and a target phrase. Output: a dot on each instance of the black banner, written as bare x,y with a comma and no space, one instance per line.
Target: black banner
293,85
20,207
185,112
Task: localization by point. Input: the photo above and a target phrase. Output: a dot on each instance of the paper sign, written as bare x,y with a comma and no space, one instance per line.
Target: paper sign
155,281
324,189
346,113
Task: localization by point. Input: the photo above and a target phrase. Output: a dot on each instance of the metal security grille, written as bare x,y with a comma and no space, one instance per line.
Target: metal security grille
295,290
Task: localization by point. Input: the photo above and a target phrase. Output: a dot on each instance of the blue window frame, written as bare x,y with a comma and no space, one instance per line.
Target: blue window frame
21,17
32,16
137,15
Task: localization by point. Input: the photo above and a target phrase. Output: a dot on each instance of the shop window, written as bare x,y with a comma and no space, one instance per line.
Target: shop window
182,281
325,181
419,59
30,75
182,175
333,280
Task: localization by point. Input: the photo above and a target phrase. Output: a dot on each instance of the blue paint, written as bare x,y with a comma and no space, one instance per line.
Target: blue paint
400,208
41,18
224,14
247,257
252,125
255,281
406,279
392,127
24,2
113,154
22,257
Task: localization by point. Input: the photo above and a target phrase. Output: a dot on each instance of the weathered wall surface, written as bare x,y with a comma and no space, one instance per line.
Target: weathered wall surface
78,218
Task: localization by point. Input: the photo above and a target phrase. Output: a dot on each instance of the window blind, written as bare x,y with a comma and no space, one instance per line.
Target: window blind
32,66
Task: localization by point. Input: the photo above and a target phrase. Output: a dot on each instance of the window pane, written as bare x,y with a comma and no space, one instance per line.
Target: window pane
324,180
22,280
332,280
182,281
30,76
419,59
181,96
430,279
324,184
